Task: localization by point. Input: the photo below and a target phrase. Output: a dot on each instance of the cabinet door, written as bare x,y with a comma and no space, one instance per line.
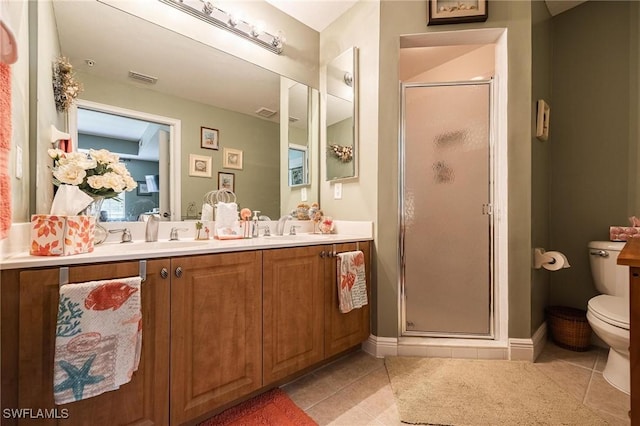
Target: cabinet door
343,331
145,399
216,329
293,300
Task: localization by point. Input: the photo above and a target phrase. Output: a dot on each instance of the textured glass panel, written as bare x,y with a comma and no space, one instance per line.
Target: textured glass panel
447,235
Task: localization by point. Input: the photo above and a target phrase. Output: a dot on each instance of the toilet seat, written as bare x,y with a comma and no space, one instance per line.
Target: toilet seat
613,310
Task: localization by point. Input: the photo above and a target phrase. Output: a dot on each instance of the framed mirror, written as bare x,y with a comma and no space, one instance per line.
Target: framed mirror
342,116
298,133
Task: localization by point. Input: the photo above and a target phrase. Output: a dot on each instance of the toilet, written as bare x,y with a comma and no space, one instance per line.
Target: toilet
608,313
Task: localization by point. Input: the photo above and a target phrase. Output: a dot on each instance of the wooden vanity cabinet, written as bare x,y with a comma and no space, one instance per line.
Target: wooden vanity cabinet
216,331
29,314
293,310
303,324
344,331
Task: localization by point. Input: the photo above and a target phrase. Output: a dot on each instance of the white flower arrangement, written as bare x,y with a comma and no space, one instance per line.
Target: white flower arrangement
342,152
99,173
65,86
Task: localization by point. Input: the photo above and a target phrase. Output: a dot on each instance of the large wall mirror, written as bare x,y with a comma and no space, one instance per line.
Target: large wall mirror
135,65
342,116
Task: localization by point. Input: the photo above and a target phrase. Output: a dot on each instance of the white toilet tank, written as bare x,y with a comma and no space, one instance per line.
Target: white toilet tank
608,277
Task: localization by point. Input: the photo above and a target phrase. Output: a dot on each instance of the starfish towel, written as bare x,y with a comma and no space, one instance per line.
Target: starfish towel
352,281
98,338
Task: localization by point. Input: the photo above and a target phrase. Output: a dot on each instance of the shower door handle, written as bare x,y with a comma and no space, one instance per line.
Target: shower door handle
487,209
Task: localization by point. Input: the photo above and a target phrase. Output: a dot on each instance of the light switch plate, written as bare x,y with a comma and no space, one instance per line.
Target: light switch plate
18,162
303,194
337,191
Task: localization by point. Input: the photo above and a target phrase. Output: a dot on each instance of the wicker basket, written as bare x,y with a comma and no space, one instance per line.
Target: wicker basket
569,327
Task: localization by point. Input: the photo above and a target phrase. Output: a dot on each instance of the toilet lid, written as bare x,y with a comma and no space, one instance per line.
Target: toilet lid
611,309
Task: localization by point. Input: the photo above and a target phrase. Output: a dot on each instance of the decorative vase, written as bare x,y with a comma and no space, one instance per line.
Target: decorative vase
94,210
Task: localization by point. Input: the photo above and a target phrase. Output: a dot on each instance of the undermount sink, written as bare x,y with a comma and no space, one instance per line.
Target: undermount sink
300,237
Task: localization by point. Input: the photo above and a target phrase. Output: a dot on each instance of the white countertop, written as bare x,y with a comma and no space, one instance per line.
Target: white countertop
139,249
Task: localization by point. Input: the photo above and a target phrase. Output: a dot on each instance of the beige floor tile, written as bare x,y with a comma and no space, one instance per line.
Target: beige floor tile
585,359
308,391
372,393
613,420
390,416
604,397
603,354
338,410
573,379
346,370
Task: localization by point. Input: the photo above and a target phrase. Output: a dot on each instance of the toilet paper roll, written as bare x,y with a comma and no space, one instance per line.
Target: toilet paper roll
554,260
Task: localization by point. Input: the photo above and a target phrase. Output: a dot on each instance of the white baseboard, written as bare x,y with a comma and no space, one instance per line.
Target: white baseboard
528,349
515,349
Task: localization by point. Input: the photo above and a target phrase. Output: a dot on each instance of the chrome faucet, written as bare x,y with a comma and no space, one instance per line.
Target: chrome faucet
151,231
281,222
173,235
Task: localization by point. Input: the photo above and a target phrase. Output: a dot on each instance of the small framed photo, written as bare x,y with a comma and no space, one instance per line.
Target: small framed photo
232,158
542,120
209,138
457,11
143,189
227,181
199,165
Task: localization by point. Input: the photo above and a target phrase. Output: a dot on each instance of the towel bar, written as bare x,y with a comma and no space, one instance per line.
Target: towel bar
63,273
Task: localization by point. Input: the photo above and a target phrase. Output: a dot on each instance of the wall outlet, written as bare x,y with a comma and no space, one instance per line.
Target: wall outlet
303,194
337,191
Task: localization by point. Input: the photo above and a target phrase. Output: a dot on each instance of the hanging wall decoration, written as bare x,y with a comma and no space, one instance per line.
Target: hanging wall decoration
343,153
65,86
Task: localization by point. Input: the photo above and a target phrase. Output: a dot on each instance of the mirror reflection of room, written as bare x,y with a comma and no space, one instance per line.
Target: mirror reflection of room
340,115
138,145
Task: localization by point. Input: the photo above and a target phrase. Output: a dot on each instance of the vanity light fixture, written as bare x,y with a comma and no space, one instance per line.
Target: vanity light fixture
208,12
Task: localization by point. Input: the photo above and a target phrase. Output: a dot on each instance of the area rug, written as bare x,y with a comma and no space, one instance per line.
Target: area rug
273,408
436,391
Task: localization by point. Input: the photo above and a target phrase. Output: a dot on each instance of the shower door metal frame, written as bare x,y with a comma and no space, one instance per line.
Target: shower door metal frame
403,332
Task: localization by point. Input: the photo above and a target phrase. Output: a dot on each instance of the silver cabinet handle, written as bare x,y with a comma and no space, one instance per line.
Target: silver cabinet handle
600,253
178,272
164,273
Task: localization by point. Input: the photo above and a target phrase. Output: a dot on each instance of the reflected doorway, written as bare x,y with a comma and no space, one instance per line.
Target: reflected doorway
147,144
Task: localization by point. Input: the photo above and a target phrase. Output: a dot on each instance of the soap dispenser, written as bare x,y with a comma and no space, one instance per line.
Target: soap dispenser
254,224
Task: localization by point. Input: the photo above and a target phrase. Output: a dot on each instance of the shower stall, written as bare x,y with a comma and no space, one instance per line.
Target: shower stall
446,208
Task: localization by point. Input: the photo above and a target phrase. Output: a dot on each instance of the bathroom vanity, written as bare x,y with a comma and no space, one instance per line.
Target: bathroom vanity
630,256
222,321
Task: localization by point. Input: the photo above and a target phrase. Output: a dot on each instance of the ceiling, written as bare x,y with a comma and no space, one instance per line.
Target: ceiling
317,14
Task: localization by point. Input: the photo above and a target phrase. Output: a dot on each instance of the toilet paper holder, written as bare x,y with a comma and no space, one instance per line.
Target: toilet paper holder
542,258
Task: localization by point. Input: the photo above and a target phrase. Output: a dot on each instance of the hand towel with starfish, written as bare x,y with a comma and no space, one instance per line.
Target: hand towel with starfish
98,338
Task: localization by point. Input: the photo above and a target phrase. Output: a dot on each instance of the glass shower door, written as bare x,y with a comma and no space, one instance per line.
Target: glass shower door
446,210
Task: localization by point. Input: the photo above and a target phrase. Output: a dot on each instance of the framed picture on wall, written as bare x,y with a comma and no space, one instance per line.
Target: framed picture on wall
457,11
227,181
199,165
232,158
143,189
209,138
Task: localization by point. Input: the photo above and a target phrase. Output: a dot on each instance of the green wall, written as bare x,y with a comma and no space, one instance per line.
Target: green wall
593,152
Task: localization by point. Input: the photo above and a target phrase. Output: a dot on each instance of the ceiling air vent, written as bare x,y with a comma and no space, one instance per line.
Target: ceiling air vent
266,112
143,77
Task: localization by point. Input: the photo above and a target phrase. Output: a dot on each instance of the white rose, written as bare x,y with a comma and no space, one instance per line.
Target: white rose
104,156
96,181
70,174
78,159
130,183
114,181
55,153
120,169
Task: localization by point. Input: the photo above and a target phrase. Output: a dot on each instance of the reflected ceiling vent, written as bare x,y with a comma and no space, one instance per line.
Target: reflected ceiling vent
266,112
293,119
143,77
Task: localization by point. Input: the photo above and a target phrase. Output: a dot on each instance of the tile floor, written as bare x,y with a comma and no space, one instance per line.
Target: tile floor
355,390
